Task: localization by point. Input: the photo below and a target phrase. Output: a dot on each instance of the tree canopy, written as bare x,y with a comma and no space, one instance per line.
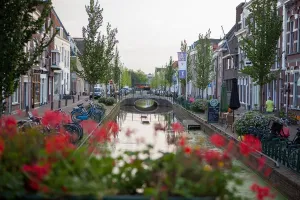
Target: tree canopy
17,27
260,44
203,61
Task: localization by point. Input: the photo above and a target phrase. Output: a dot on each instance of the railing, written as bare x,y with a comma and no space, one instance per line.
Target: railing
287,155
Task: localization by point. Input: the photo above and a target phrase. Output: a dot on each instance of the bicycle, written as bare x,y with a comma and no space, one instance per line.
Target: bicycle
79,113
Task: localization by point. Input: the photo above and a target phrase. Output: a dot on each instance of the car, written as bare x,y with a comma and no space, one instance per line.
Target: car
98,92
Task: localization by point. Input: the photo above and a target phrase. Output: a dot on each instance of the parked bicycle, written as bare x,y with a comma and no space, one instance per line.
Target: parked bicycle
74,129
79,113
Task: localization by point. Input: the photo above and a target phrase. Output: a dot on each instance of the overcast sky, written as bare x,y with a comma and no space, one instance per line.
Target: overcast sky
150,31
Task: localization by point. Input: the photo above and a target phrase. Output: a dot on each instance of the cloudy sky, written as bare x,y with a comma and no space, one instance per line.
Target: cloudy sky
150,31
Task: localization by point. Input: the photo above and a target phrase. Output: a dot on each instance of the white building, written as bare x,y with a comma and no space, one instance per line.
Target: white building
61,64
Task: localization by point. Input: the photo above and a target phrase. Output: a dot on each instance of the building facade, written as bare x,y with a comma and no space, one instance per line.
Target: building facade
60,60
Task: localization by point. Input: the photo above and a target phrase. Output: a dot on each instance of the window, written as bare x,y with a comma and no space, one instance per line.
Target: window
292,37
62,75
15,97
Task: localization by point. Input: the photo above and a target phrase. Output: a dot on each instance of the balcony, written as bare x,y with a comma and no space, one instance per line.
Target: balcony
55,60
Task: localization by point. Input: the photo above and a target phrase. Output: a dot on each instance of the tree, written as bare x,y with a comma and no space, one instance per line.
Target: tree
169,73
203,61
141,76
93,45
126,78
98,49
17,28
116,68
260,44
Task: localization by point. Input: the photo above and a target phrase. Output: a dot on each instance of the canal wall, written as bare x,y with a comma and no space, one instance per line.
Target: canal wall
283,179
112,114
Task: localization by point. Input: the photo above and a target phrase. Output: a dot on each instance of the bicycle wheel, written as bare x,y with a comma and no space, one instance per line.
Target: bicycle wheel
293,160
74,131
74,117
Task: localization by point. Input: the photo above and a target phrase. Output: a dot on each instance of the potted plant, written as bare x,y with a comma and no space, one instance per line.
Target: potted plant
199,105
51,167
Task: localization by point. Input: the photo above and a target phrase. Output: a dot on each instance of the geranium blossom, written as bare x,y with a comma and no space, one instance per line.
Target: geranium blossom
113,126
261,192
58,144
101,135
182,142
212,155
250,144
36,174
52,119
261,162
187,150
8,125
88,126
217,140
177,127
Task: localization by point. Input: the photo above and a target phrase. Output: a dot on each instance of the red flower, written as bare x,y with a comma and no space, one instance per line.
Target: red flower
64,189
52,119
36,174
58,144
267,172
89,126
113,126
261,192
250,144
212,155
187,150
2,145
230,146
261,162
177,127
101,135
8,125
217,140
182,142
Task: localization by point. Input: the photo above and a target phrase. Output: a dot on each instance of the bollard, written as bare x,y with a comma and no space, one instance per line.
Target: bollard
59,104
78,97
27,109
66,102
73,99
52,104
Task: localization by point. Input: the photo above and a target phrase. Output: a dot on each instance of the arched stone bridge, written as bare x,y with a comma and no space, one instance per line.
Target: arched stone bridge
148,104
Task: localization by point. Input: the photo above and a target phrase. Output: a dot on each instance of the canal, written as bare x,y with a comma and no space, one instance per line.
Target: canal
143,132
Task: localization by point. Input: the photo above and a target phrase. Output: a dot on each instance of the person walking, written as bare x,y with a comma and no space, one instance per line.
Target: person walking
269,105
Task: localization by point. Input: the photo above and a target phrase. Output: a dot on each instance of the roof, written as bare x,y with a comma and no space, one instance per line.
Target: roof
80,44
65,30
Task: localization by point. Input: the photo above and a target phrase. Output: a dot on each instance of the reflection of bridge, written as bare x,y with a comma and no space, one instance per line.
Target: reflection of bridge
151,104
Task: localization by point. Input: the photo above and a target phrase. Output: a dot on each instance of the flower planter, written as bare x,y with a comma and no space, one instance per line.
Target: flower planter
130,197
121,197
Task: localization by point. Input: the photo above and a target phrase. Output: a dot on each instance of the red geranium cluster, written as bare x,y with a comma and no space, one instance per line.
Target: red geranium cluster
261,192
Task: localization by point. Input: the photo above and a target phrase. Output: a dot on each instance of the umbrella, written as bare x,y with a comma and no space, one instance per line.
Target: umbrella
234,98
224,102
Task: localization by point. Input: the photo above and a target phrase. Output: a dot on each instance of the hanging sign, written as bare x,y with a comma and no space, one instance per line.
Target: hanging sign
182,64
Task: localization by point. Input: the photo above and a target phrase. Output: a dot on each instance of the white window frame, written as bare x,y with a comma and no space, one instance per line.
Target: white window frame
15,97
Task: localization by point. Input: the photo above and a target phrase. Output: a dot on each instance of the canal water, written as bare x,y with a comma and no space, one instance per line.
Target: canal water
142,126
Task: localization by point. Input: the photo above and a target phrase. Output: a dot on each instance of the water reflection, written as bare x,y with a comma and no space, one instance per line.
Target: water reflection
166,141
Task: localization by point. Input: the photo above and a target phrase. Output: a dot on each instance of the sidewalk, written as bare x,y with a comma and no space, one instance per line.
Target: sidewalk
41,110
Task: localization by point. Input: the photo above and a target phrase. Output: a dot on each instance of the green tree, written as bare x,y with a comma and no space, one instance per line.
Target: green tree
116,68
169,73
98,49
260,44
141,76
203,61
126,78
17,28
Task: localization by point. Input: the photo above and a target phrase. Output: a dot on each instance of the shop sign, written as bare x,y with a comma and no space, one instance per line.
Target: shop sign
39,71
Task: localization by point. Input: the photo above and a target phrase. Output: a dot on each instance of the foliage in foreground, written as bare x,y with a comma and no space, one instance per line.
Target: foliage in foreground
54,167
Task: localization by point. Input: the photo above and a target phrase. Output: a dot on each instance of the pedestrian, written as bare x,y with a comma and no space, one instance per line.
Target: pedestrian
269,105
